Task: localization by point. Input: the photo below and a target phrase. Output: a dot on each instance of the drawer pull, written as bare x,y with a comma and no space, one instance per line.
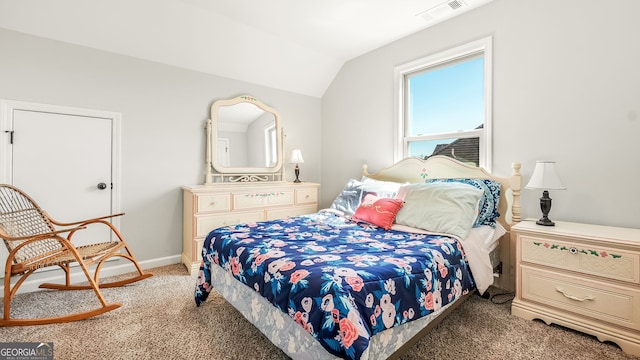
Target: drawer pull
573,297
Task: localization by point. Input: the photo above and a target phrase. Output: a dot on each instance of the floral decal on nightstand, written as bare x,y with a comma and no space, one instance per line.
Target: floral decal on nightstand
574,250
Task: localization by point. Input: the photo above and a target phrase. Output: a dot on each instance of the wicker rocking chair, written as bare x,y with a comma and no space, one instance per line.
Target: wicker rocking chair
34,243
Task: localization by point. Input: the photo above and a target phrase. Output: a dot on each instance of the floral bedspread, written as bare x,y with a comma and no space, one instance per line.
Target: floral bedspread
342,281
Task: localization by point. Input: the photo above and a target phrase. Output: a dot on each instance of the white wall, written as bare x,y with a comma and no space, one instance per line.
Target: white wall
163,108
566,88
566,77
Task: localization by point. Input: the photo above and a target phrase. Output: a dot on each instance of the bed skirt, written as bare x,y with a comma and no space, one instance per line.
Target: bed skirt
291,338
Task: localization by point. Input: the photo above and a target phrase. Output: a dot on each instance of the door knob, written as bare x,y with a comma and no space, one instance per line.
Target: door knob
102,186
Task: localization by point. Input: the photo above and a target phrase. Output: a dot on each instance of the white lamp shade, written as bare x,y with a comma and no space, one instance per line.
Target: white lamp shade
296,157
545,177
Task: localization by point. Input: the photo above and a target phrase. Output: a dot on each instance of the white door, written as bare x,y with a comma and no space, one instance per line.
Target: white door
61,157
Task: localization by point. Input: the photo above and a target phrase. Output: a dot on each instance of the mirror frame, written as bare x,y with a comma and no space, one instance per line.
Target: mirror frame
240,174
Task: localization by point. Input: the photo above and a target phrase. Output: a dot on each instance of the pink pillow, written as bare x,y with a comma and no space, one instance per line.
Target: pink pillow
378,211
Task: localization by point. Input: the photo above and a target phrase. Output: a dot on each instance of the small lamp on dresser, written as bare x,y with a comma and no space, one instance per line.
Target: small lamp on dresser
546,178
296,158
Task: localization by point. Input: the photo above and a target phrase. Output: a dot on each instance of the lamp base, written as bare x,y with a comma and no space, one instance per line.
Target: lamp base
545,206
544,221
297,172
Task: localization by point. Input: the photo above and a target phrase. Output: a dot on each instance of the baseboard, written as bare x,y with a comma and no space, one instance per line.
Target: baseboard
111,268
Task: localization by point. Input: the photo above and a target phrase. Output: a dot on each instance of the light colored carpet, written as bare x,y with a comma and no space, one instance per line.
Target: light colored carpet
159,320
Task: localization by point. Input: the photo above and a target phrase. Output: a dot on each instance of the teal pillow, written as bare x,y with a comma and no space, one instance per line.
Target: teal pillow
443,208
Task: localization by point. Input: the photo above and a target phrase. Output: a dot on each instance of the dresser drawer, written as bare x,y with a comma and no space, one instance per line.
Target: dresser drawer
306,196
589,298
594,260
212,203
285,213
204,224
261,199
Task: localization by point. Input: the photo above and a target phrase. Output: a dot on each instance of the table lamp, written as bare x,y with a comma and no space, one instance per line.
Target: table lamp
296,158
544,177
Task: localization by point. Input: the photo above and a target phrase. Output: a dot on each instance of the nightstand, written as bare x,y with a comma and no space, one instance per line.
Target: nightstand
584,277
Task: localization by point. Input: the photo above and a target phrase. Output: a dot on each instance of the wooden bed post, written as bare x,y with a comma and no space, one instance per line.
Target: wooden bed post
508,246
515,183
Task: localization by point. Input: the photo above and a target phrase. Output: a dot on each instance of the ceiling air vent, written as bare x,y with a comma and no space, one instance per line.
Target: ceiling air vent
455,4
444,10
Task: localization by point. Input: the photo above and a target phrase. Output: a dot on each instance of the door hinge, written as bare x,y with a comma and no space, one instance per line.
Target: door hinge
10,136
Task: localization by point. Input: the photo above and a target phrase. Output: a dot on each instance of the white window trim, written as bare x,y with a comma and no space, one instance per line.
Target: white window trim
482,45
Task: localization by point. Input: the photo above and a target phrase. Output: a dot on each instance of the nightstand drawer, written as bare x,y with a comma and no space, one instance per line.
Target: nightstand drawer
600,261
590,298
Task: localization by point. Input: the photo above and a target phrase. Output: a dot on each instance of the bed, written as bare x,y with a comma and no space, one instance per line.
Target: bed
367,277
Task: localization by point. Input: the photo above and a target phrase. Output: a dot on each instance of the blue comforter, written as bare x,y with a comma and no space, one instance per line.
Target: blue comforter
342,281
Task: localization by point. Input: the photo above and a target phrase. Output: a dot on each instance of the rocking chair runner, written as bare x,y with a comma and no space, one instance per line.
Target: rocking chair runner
34,243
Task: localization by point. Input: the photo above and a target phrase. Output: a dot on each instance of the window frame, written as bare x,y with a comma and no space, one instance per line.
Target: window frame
401,141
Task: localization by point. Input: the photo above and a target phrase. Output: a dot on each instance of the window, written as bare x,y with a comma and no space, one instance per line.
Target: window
444,105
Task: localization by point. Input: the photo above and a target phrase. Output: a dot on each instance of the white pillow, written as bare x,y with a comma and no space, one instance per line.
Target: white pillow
379,188
445,208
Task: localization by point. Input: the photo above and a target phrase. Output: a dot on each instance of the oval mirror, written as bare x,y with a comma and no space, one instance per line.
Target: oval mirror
244,137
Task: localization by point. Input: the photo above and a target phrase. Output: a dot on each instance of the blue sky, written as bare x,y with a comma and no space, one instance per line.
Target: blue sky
444,100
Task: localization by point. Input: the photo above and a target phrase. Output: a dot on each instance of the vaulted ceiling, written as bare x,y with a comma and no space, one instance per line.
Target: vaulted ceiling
293,45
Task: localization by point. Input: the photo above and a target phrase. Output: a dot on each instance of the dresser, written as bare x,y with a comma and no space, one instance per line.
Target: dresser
207,207
584,277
